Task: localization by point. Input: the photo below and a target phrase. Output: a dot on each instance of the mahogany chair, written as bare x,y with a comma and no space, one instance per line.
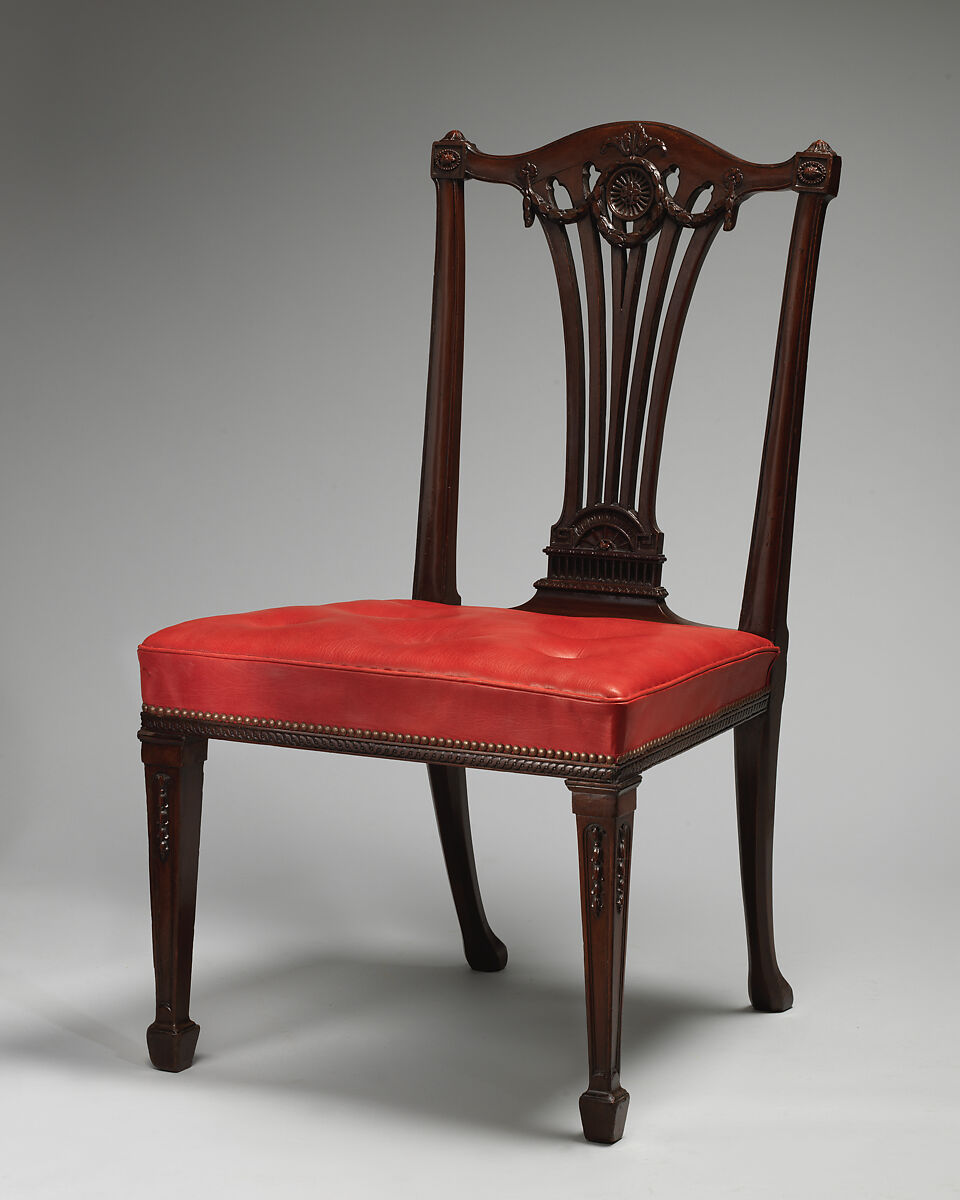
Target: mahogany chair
594,679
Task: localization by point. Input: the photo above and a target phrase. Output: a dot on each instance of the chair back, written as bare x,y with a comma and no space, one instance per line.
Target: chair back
644,203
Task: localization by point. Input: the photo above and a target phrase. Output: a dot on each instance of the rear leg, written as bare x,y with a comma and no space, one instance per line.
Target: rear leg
755,756
483,949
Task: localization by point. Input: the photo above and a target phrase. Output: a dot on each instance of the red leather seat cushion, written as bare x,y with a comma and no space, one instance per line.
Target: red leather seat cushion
604,686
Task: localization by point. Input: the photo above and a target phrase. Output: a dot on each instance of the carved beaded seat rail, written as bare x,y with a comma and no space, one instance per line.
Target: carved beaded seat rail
563,685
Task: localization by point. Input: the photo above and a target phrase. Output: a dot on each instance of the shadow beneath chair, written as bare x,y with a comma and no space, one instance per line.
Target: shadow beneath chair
422,1039
75,1038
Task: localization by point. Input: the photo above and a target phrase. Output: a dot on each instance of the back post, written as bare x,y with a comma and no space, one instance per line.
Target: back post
435,572
764,610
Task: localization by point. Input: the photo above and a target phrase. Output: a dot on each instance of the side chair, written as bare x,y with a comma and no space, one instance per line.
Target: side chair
594,679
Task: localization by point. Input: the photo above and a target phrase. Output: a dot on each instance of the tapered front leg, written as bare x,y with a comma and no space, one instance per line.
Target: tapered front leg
483,949
605,834
174,774
755,756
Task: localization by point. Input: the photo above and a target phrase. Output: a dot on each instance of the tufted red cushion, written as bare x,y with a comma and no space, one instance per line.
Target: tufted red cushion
602,685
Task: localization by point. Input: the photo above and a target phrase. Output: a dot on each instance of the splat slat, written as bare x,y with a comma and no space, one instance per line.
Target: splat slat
649,324
626,270
435,571
597,328
673,323
618,272
572,319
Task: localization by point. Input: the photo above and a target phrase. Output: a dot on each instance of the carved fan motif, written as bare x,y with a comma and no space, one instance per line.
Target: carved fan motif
604,537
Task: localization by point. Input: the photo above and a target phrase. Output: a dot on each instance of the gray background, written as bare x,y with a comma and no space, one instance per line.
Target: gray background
216,239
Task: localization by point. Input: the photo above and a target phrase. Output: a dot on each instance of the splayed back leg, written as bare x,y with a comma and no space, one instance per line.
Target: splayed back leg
483,949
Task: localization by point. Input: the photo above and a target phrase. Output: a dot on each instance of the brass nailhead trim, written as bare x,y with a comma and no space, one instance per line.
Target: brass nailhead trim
667,737
384,735
418,740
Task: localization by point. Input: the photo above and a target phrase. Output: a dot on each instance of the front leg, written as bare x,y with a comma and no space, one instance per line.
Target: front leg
605,834
174,774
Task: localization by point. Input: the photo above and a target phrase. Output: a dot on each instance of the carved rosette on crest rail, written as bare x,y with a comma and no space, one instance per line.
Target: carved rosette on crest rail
448,157
630,198
814,169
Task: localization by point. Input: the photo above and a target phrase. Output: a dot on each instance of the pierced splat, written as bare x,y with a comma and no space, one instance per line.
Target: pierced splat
607,538
646,202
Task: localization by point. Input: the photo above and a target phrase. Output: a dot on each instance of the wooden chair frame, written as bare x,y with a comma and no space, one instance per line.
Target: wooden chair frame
605,553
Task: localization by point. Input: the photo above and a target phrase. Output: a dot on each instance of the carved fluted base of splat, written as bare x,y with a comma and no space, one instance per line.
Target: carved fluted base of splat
604,1115
172,1049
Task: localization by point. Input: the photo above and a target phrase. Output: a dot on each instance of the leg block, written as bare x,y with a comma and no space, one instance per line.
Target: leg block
172,1049
603,1115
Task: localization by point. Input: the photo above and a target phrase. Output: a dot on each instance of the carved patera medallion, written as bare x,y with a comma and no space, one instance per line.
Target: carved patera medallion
629,193
447,159
593,836
162,783
814,167
811,172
